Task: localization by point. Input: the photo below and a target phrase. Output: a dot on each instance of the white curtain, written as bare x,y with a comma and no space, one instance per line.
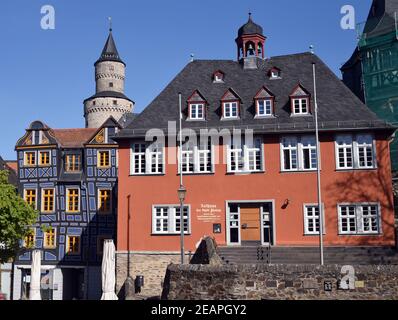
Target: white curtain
108,271
35,274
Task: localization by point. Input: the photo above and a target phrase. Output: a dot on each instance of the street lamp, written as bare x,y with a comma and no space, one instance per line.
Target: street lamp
181,196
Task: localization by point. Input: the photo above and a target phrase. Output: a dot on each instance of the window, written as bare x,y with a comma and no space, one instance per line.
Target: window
110,84
230,110
104,201
197,159
30,158
44,158
300,106
30,197
48,200
72,163
196,111
364,145
50,238
147,159
167,219
73,245
355,152
264,107
289,154
298,153
245,157
359,219
100,243
103,159
29,240
72,200
114,102
138,158
311,220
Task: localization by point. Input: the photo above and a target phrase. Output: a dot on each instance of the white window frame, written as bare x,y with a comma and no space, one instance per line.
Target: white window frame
314,206
355,148
195,154
39,158
290,148
365,145
265,113
42,201
194,111
147,155
300,101
229,105
299,148
30,165
67,200
243,154
359,218
141,154
154,157
55,239
99,159
170,219
36,195
312,153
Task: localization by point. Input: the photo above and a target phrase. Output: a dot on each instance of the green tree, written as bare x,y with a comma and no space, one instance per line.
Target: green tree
15,218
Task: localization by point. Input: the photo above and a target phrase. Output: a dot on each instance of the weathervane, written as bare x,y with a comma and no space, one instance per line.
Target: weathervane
110,23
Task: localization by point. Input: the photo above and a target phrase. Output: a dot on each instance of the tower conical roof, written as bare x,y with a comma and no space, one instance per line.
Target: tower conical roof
250,28
109,53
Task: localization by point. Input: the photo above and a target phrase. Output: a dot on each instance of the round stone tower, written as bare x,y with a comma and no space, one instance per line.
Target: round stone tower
109,99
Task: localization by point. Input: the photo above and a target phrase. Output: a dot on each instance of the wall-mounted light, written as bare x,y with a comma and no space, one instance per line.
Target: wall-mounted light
285,203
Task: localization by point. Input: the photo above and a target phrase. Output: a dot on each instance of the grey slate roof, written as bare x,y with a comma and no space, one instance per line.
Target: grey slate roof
381,18
250,28
339,108
110,53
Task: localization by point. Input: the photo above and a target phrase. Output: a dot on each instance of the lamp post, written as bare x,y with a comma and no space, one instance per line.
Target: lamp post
318,169
181,196
181,190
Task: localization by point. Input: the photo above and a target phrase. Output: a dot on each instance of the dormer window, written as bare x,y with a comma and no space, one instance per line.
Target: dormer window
230,104
274,73
196,106
300,106
230,110
264,103
300,101
264,107
218,76
197,111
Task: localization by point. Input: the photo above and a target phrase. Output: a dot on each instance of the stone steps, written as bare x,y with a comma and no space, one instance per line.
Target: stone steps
310,255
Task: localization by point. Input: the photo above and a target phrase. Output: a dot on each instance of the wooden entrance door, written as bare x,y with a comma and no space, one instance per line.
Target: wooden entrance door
250,224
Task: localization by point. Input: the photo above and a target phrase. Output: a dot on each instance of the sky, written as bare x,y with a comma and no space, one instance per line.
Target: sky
46,74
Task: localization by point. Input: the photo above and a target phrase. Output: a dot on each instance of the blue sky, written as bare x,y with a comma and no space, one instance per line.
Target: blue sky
46,74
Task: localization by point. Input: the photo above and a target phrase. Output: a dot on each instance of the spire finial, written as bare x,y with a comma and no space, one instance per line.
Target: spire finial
250,15
110,24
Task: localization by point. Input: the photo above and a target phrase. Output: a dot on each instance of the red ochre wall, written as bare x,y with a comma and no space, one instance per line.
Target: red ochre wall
215,189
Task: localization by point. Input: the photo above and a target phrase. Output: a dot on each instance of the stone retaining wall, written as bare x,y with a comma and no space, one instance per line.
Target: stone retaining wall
151,266
277,282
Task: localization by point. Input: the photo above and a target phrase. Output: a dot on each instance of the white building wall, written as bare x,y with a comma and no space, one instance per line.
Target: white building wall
5,281
17,283
57,284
